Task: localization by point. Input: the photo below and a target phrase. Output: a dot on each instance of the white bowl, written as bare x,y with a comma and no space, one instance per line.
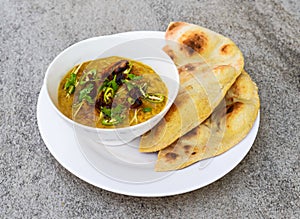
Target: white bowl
148,51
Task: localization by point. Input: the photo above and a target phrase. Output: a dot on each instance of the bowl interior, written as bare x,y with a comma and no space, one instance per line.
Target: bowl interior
149,51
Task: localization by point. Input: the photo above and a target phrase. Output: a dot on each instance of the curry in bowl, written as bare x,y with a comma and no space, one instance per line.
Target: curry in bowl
111,92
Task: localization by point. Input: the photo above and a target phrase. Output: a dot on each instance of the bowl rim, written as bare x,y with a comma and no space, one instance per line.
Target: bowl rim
96,129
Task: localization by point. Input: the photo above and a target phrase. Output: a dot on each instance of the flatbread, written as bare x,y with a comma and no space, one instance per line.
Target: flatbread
186,42
206,74
226,127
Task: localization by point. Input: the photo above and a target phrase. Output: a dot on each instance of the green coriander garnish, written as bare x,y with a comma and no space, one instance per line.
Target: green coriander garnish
84,94
147,109
71,82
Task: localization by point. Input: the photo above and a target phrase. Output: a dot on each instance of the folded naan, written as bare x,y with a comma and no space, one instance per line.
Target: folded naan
226,127
208,65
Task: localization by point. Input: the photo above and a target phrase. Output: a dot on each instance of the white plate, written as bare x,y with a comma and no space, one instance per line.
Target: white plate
70,150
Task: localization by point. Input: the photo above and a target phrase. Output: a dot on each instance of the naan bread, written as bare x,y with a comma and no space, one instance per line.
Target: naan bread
208,65
226,127
189,43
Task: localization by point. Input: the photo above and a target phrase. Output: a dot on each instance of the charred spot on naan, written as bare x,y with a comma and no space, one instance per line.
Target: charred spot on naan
232,111
189,67
188,71
172,28
226,49
195,151
222,69
174,25
171,156
180,70
187,149
193,42
190,150
229,100
169,52
192,133
229,109
233,108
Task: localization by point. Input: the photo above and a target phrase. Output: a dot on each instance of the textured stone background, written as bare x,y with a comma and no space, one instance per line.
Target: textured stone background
266,184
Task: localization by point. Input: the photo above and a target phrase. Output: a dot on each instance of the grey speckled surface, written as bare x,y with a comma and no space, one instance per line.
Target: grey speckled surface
266,184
